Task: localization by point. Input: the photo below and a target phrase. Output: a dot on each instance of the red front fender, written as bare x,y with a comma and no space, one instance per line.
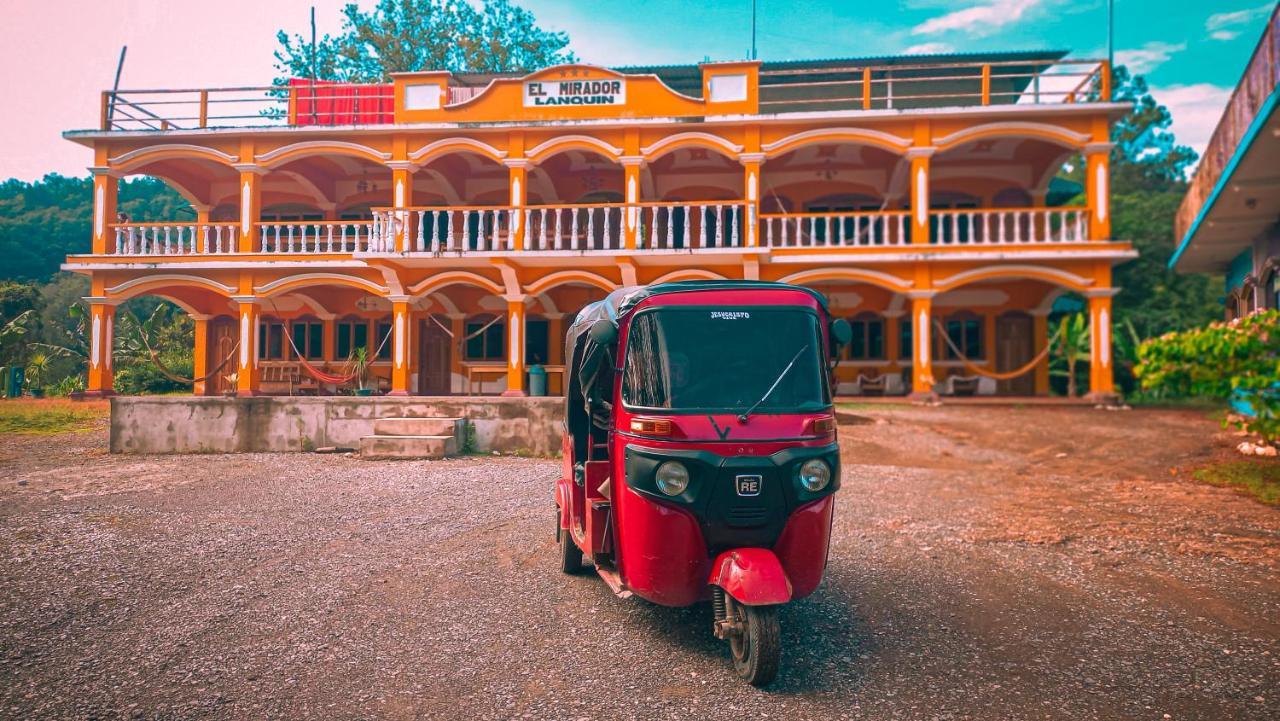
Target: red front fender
752,576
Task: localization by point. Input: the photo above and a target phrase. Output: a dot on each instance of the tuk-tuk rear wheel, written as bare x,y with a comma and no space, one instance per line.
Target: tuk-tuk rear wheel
757,647
570,554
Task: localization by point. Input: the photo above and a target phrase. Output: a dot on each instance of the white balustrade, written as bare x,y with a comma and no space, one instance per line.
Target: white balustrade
1010,226
816,230
316,236
151,239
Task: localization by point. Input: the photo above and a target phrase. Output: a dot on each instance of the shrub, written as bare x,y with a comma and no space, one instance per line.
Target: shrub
1240,359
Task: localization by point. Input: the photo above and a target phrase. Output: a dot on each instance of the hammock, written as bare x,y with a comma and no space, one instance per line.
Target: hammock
166,372
329,377
1000,376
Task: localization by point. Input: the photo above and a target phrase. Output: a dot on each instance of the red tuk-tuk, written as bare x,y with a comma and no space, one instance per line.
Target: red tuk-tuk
700,454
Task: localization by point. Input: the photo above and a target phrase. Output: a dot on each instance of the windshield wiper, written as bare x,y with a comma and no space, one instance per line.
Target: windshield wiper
742,417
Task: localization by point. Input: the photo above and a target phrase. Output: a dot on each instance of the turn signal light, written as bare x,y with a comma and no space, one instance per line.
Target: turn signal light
822,426
651,426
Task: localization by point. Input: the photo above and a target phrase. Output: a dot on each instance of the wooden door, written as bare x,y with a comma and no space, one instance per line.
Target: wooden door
435,355
1015,347
222,340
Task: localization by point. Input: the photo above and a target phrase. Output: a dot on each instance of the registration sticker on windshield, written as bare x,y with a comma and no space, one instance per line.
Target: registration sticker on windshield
729,314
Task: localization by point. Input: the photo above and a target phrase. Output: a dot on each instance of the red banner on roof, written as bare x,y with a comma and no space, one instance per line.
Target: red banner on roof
325,102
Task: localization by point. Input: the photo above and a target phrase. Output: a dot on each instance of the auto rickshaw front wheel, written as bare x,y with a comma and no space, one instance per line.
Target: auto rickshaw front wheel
756,643
570,554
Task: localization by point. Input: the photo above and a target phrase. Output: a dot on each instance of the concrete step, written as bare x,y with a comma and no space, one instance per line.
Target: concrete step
418,427
401,446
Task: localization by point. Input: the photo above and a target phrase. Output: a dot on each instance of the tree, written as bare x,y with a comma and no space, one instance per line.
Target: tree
41,223
409,35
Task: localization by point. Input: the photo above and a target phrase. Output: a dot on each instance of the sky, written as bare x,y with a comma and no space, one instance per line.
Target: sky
58,55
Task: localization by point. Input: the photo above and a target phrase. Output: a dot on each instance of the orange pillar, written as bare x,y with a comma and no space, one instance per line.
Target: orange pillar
517,176
920,193
922,345
102,315
402,182
631,167
106,192
250,209
751,186
1102,385
1097,189
401,315
1040,332
247,353
515,348
200,355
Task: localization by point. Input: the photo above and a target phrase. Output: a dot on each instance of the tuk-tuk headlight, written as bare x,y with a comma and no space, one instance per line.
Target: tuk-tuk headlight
815,474
672,478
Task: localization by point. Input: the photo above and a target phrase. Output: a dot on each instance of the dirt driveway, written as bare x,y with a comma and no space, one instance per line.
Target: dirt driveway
989,563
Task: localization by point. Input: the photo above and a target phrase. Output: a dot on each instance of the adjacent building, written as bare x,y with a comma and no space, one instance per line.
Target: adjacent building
452,224
1229,221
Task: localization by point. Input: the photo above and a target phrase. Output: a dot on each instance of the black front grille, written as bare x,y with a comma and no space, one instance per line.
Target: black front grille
747,516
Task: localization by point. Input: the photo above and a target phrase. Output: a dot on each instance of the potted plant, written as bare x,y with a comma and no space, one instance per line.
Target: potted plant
37,372
361,368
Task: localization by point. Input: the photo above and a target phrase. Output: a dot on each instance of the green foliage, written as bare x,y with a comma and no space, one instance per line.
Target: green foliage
43,222
1260,479
408,35
1071,351
1221,360
1152,297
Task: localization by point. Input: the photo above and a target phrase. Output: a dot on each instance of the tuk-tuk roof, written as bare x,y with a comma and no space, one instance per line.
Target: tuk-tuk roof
622,301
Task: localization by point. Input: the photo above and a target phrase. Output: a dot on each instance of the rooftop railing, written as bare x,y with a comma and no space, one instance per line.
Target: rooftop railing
903,86
1260,80
935,85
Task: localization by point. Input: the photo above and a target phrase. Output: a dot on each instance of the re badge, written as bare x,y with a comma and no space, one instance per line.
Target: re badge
748,485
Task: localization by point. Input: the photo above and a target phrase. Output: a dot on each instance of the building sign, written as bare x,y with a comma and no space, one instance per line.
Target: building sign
540,93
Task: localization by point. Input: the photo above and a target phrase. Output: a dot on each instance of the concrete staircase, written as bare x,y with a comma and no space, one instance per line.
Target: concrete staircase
412,438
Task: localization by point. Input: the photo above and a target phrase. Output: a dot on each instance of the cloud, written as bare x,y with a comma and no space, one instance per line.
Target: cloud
1222,21
1195,109
981,19
1148,57
1224,34
929,49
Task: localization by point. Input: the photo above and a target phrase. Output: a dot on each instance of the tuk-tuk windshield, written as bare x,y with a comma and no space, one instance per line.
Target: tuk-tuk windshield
720,359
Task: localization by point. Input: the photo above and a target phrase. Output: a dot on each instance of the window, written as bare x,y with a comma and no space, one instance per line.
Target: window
965,332
352,334
271,340
485,343
904,339
697,360
868,337
383,349
536,342
308,337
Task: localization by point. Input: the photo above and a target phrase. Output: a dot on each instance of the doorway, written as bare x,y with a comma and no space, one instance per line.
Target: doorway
222,340
435,350
1015,347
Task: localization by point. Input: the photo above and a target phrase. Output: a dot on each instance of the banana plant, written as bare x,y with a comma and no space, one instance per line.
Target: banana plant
1073,348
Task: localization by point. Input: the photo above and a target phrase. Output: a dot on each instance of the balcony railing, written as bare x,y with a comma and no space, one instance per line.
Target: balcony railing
687,227
1260,80
658,226
315,236
175,238
1009,225
864,229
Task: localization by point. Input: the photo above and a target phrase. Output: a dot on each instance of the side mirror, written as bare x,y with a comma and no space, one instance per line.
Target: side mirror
604,333
841,332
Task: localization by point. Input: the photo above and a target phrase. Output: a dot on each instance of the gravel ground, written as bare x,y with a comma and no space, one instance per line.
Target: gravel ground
988,563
